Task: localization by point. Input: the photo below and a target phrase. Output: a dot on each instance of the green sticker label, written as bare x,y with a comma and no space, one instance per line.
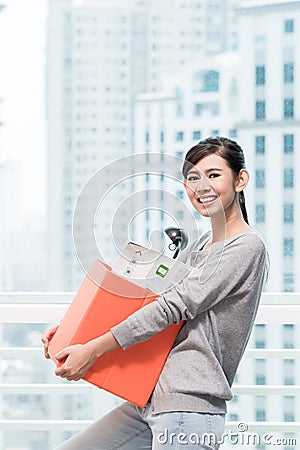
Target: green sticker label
162,271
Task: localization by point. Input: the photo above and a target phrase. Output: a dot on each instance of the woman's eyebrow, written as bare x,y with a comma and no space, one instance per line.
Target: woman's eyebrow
194,171
213,169
198,171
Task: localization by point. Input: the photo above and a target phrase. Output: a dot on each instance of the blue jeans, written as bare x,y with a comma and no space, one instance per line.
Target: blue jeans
131,428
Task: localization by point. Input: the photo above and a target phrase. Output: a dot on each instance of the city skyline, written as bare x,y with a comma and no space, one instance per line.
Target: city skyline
22,216
22,109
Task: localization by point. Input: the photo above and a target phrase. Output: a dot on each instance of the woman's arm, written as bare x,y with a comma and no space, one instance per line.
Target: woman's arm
226,273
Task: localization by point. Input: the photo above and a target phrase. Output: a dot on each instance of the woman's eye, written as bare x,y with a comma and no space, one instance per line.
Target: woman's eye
192,178
213,175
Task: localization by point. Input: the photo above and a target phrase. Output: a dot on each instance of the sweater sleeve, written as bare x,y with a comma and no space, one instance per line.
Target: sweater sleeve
224,273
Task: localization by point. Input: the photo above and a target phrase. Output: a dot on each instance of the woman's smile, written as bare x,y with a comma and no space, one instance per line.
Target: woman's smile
207,200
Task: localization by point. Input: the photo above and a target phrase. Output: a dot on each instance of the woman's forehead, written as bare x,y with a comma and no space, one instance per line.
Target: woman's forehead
211,161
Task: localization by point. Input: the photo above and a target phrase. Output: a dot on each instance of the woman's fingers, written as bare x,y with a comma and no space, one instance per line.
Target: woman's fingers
77,361
46,338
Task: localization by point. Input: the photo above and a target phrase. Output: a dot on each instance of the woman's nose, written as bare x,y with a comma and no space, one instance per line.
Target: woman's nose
203,186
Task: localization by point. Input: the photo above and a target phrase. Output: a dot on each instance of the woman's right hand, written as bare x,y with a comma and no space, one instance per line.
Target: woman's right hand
46,338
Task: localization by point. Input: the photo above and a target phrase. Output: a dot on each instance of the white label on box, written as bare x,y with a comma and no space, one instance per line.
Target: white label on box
150,269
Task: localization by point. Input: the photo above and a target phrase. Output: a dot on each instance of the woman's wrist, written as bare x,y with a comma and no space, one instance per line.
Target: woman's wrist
102,344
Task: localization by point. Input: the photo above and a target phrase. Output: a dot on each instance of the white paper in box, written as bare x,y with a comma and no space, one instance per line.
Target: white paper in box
150,269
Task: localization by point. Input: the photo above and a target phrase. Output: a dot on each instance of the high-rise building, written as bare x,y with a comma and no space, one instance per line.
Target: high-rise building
269,115
90,92
233,94
102,54
268,127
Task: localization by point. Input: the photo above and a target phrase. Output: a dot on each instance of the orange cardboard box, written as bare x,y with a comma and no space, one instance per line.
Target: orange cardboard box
103,300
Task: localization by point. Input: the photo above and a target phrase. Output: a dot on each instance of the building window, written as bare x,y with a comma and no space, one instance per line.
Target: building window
288,143
260,75
179,136
214,108
288,73
147,137
288,372
288,108
180,195
260,415
260,142
180,155
288,213
288,282
288,247
289,416
233,417
289,26
210,81
233,133
288,178
198,108
288,335
260,213
260,371
162,136
260,178
147,234
260,335
260,110
260,411
260,379
288,408
291,440
179,109
196,135
260,446
211,107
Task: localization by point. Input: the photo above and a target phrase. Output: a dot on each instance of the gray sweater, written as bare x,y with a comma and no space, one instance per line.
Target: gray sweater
218,300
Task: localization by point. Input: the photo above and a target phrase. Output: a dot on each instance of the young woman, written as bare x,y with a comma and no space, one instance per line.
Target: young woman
218,301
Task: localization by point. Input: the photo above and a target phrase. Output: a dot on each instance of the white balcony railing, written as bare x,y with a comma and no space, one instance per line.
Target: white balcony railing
47,308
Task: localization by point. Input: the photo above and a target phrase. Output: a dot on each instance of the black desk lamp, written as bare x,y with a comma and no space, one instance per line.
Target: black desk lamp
179,239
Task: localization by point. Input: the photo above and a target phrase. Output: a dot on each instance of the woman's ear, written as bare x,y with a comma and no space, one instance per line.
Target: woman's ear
242,180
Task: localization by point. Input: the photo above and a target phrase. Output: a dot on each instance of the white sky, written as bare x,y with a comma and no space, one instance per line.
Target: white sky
22,82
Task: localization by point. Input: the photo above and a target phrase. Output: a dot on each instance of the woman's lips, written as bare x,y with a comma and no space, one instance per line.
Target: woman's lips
207,200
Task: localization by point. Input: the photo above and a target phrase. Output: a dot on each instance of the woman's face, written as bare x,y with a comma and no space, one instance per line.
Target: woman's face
211,187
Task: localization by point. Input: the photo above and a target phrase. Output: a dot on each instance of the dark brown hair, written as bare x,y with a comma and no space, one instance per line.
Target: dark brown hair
227,149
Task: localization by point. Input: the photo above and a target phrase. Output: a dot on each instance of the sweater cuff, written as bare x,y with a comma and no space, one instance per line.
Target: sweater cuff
123,334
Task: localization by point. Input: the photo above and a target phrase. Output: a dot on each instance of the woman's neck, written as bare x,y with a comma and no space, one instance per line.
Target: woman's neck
225,229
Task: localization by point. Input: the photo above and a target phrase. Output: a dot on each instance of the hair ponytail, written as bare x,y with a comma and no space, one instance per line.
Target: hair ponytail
242,204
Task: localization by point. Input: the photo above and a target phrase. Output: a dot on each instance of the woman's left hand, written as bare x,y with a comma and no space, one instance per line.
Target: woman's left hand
78,360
